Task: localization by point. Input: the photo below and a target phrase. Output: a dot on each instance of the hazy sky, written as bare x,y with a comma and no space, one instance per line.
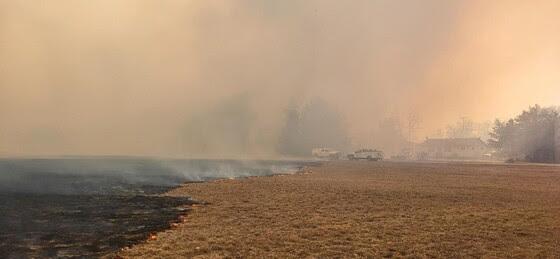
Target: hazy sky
126,77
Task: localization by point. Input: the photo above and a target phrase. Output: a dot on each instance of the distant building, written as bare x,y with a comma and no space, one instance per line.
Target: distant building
452,148
557,143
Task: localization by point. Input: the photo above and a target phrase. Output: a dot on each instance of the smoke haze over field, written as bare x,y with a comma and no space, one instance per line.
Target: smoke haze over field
215,78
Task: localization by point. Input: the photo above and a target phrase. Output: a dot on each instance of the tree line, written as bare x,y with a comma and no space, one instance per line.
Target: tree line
532,136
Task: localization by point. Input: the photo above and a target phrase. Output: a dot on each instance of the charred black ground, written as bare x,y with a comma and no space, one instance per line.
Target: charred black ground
52,225
91,207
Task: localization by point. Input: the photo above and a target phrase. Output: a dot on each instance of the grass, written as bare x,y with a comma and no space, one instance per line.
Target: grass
371,209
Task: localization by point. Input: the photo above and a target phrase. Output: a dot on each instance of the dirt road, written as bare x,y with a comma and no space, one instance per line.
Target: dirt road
361,209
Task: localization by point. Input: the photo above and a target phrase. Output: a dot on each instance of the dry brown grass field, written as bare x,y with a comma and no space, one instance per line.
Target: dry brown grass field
372,209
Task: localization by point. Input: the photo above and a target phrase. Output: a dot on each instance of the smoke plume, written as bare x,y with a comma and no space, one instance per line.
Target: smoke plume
215,78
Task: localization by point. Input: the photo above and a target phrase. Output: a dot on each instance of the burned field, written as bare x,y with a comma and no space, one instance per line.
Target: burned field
94,207
52,225
50,209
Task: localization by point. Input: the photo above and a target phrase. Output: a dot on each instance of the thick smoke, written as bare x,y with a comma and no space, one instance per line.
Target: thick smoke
214,78
124,176
315,125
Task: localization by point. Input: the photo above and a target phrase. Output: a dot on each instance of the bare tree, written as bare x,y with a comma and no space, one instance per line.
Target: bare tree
413,123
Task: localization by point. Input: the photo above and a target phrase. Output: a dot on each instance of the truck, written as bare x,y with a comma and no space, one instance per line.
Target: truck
326,153
366,154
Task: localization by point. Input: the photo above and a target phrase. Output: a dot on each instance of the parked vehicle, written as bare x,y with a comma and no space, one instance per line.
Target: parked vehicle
367,154
326,153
